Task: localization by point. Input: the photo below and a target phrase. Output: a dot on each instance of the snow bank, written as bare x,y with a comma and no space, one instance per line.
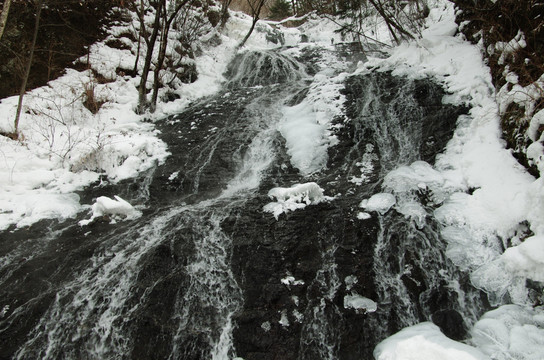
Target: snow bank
381,203
526,97
424,342
296,197
34,188
115,208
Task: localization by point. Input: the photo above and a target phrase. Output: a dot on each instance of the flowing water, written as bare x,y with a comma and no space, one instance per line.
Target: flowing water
206,274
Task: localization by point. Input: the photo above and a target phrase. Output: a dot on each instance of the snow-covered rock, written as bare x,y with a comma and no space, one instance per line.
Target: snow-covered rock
424,342
116,208
511,332
295,197
381,203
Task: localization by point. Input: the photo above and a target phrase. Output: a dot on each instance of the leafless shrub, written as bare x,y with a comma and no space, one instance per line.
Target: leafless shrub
91,101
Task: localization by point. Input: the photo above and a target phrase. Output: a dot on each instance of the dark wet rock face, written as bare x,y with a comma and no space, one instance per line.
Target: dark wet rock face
451,323
205,273
318,248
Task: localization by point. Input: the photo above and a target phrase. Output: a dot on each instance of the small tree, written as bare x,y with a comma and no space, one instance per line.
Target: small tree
161,23
150,42
256,7
392,19
402,18
167,19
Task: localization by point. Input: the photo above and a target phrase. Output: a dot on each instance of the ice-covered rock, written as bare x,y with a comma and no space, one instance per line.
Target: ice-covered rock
381,203
360,303
412,178
527,259
295,197
511,332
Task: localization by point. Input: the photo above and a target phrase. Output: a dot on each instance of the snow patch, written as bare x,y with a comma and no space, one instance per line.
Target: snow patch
266,326
290,280
284,321
366,166
299,317
350,281
307,126
363,215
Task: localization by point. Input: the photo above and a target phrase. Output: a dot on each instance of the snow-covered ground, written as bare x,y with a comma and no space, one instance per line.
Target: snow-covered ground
64,147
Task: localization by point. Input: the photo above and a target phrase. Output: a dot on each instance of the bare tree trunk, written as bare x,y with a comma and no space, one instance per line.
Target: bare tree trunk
4,16
160,61
142,96
28,66
167,23
140,14
242,43
390,21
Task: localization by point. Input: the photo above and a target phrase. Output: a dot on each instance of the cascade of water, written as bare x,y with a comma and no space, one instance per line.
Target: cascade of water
254,68
174,284
320,334
391,113
164,287
88,312
401,117
204,308
414,279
